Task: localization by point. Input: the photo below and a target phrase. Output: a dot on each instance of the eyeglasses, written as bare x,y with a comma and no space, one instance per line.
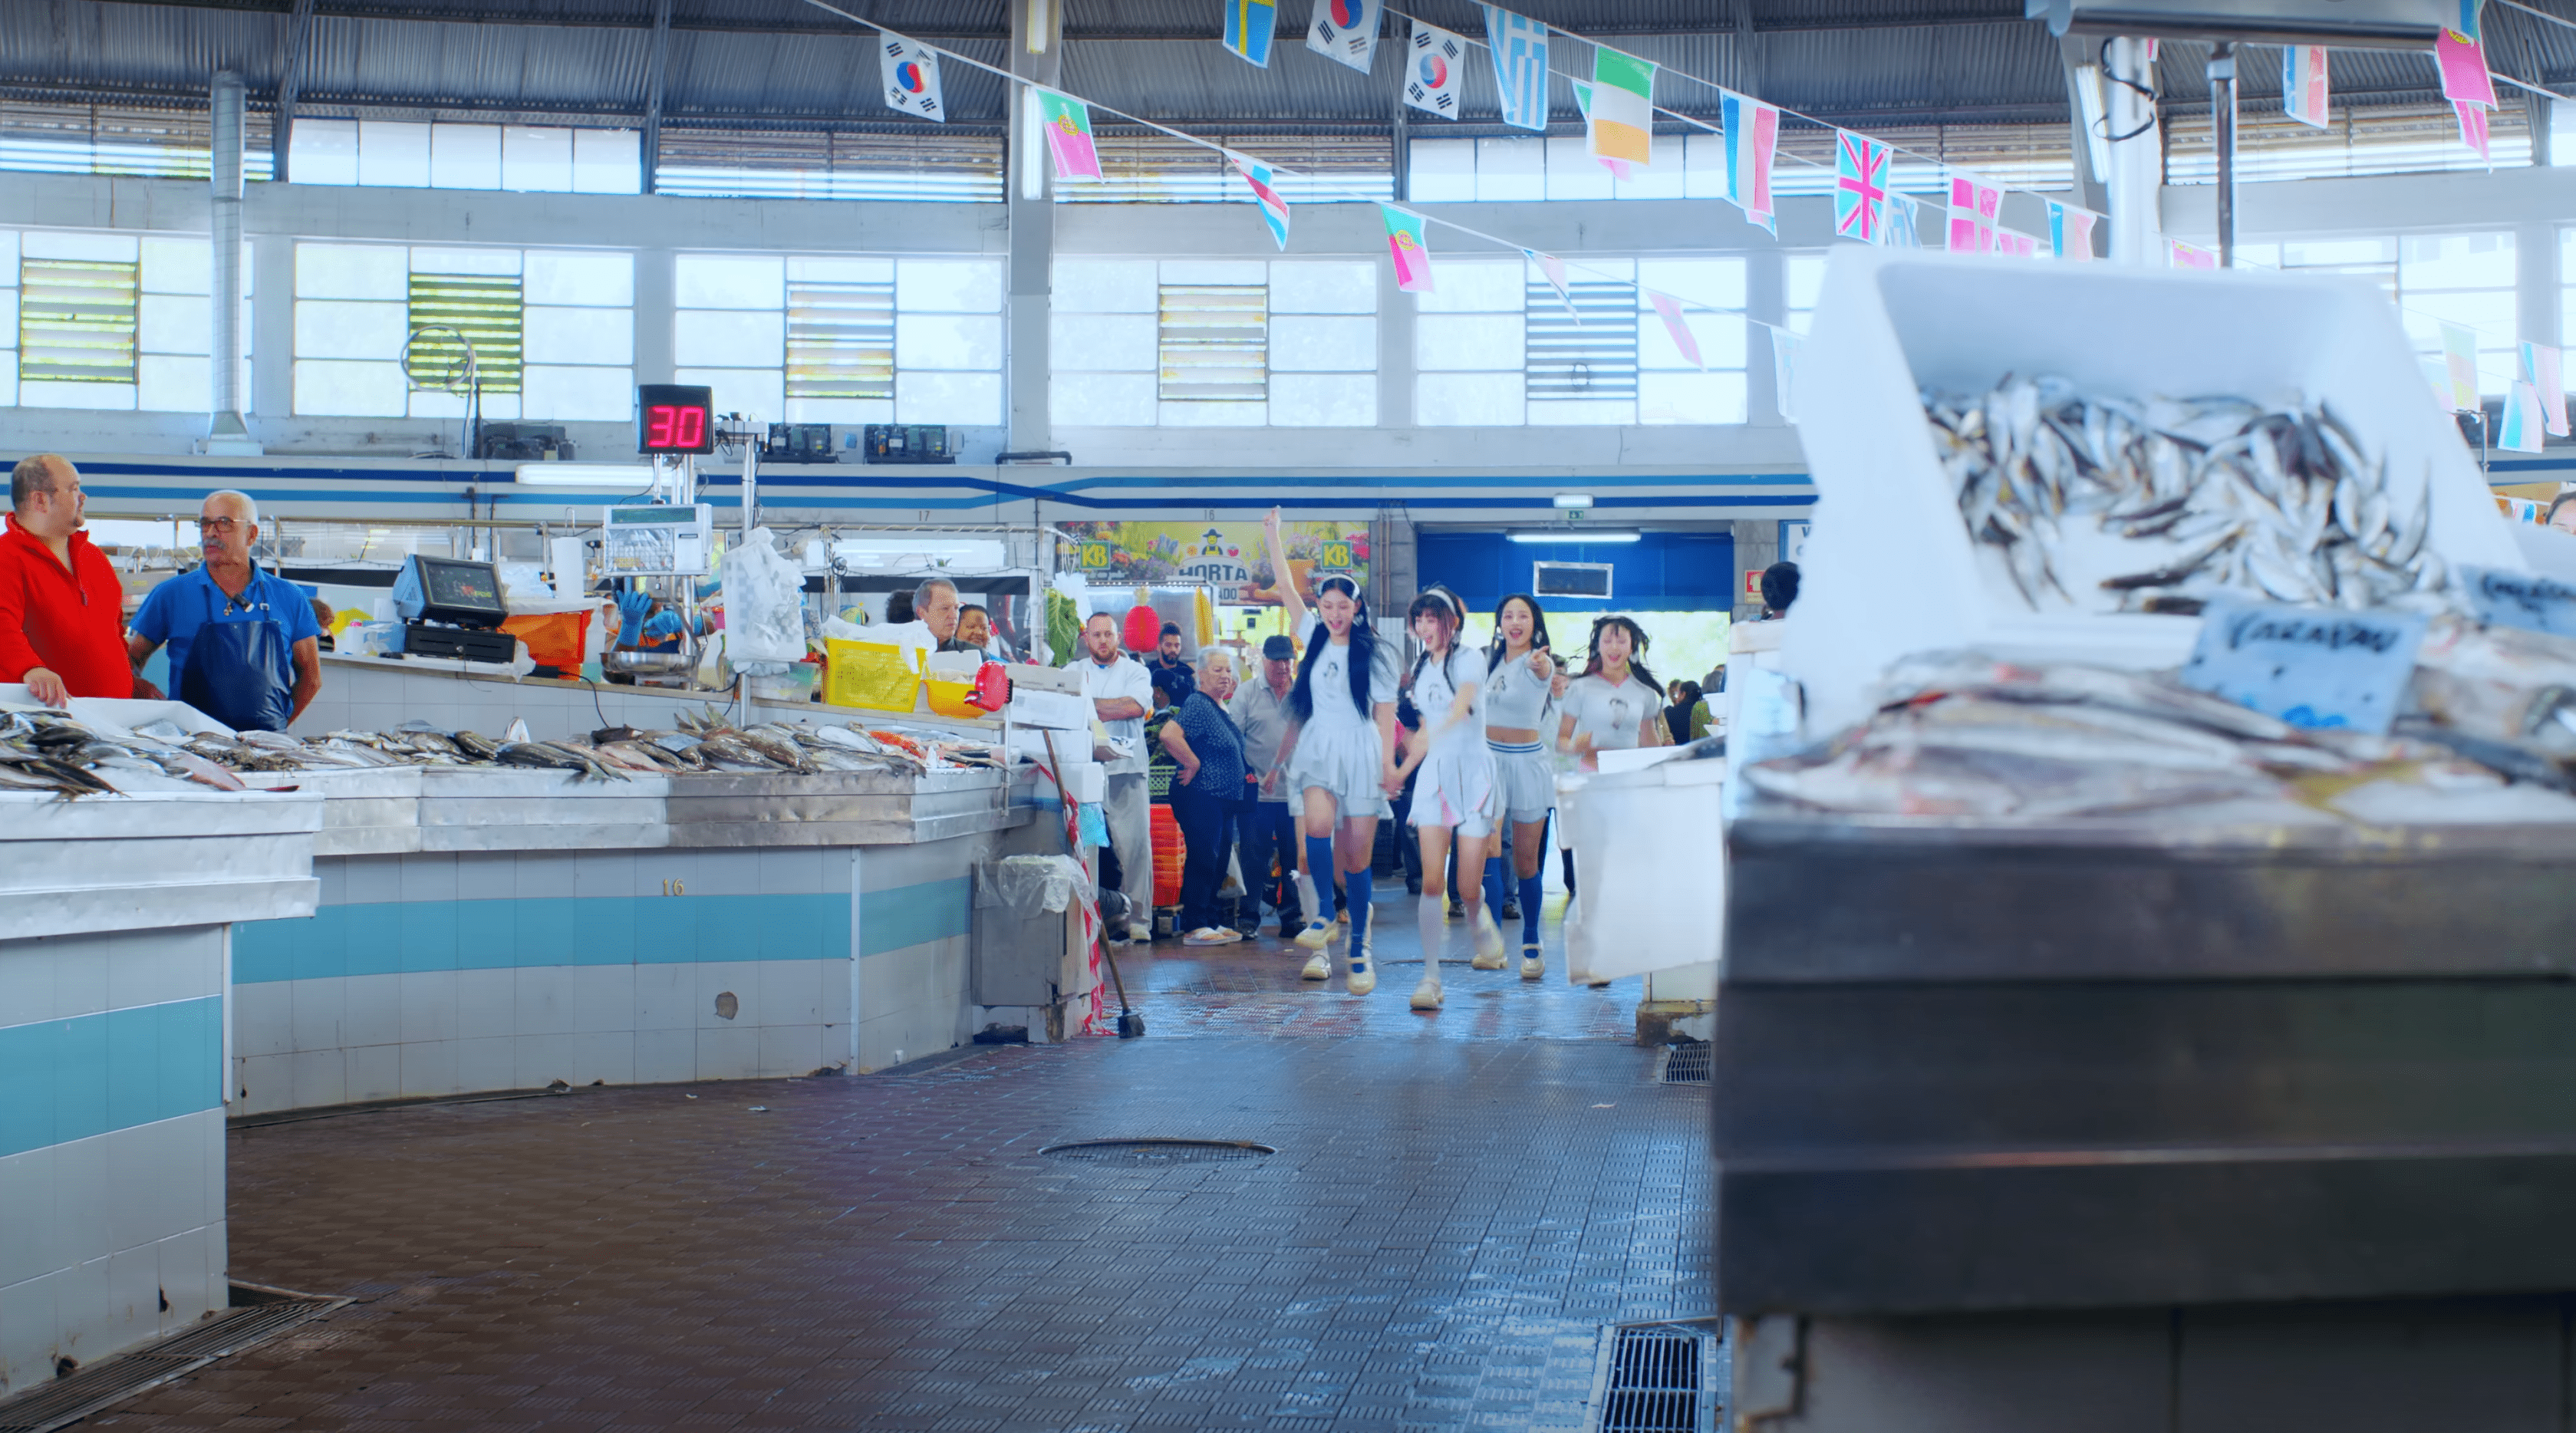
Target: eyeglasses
220,524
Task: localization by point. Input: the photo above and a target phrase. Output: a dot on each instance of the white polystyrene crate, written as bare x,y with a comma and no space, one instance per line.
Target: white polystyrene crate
1890,570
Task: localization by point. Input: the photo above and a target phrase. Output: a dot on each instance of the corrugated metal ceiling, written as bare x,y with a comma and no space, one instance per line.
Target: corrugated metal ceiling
783,61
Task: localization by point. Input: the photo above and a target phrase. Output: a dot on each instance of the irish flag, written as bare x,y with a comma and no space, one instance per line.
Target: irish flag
1623,106
1410,247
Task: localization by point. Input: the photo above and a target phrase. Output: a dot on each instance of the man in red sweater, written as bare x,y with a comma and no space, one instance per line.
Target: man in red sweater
62,611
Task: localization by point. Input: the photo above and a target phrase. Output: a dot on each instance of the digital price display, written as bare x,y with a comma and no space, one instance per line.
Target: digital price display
674,418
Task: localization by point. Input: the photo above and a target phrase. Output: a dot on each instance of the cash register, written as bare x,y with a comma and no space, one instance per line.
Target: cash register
452,608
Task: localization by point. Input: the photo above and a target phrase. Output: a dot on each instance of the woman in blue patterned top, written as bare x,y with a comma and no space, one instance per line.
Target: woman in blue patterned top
1204,741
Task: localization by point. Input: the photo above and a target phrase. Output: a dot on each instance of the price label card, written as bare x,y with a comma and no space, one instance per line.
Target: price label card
2519,599
2309,666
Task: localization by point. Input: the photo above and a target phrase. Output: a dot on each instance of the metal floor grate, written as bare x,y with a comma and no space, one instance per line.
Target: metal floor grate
104,1385
1152,1153
1687,1064
1656,1378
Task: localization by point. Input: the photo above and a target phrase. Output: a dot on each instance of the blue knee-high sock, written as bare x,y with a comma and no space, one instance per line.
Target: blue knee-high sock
1494,885
1533,887
1356,896
1319,864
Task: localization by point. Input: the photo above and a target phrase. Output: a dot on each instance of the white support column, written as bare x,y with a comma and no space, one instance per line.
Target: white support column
272,327
1037,52
1766,298
2537,283
2137,160
1394,351
656,294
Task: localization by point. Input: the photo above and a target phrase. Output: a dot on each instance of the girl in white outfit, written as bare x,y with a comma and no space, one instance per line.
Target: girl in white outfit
1454,791
1615,705
1520,682
1338,759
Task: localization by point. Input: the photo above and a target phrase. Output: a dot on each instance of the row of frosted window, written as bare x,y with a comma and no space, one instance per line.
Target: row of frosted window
120,321
108,321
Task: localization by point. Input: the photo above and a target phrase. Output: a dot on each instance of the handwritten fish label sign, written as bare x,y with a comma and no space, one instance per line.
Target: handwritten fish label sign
2519,599
2310,666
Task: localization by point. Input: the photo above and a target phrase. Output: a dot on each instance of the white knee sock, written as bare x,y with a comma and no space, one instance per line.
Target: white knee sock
1306,898
1434,926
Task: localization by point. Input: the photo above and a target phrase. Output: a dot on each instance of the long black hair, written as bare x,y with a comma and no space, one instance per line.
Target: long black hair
1361,661
1636,650
1440,601
1538,626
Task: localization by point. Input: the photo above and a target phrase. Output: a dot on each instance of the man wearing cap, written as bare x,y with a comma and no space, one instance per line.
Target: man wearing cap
62,609
1260,711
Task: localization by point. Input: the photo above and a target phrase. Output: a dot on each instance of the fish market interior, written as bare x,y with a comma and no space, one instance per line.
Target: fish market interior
1356,716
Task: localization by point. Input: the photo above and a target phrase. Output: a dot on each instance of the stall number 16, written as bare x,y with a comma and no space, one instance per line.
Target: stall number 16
672,887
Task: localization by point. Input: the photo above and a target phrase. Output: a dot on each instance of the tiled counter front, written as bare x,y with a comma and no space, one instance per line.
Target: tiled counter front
446,972
111,1058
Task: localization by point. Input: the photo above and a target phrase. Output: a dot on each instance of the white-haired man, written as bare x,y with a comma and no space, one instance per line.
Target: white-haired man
244,647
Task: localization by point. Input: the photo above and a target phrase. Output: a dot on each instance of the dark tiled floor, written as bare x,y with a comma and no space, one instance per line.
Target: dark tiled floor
1458,1202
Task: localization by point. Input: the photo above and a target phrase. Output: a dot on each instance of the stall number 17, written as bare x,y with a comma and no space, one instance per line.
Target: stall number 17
672,887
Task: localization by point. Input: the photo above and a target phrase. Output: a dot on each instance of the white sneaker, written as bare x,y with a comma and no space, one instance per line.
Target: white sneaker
1318,967
1209,935
1426,996
1533,963
1363,976
1319,934
1138,930
1489,942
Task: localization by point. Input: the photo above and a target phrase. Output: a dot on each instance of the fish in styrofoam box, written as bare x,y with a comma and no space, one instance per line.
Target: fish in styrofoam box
1892,567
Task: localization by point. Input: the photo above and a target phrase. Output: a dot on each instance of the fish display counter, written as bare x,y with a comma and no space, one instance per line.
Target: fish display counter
122,911
711,899
2147,989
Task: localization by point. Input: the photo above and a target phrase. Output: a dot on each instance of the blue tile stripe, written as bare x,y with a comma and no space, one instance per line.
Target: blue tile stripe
911,915
94,1074
397,937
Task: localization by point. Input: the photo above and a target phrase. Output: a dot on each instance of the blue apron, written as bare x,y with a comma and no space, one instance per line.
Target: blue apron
233,666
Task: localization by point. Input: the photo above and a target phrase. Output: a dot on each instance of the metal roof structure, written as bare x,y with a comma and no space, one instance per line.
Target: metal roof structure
784,64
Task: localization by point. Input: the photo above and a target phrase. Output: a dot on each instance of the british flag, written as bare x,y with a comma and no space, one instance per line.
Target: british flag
1860,187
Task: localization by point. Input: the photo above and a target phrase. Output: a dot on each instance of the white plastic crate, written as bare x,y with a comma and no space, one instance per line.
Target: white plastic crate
1890,568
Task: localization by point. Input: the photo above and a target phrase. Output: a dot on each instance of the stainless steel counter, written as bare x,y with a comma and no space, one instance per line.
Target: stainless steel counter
2099,1065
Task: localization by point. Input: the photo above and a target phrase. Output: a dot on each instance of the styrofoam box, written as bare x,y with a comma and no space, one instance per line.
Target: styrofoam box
1890,569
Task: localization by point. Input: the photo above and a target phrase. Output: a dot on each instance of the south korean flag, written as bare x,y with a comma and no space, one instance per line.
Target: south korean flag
911,77
1346,30
1433,66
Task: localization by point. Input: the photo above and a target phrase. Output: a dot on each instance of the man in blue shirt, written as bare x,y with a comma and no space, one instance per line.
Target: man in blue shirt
244,646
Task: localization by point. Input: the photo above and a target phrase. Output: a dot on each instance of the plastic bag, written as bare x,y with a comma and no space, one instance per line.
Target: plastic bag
764,603
1030,885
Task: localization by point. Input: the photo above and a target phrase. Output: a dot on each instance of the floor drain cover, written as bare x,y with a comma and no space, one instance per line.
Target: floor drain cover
1658,1378
1152,1152
1687,1064
112,1381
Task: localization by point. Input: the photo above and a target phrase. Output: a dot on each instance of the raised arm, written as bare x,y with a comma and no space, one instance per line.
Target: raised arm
1284,579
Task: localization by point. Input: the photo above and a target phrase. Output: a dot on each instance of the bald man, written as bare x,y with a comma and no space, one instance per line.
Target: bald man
62,610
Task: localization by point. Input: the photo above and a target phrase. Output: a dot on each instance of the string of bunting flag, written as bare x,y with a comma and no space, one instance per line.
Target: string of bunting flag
909,68
1618,109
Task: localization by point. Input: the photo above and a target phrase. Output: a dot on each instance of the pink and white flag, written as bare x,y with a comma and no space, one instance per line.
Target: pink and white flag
1669,309
1973,203
2303,84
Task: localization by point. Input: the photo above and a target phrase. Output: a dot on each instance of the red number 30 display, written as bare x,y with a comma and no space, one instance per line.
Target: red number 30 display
674,418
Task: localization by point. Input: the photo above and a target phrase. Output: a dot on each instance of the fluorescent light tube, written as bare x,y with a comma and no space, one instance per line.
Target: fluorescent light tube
624,477
1571,535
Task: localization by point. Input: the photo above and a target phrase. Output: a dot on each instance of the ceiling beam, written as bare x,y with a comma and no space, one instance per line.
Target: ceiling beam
655,68
290,80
